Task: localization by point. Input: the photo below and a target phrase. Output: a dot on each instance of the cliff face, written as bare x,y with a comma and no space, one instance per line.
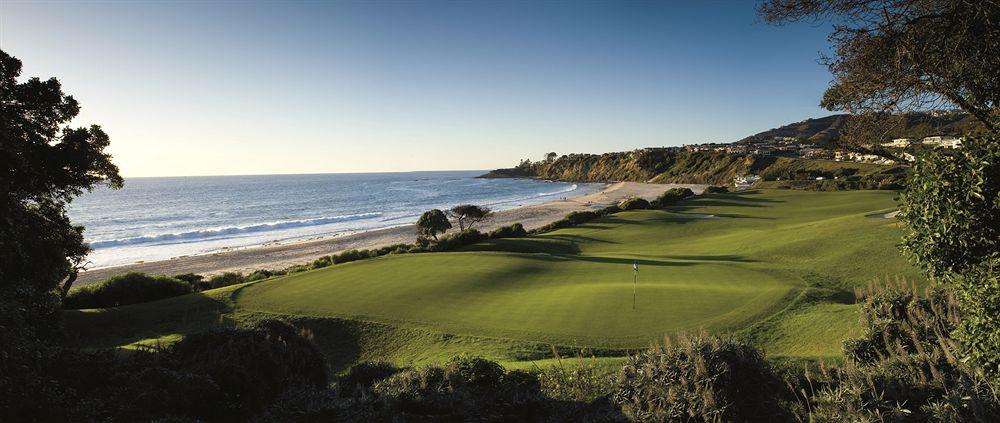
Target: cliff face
639,166
702,167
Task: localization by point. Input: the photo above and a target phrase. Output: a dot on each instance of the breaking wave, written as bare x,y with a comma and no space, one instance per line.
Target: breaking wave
227,231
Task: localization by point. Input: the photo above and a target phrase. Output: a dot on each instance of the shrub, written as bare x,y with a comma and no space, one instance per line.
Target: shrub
576,379
456,240
251,367
128,288
672,196
978,292
190,278
361,377
578,217
513,231
906,366
296,269
717,189
634,203
262,274
951,215
221,280
609,210
701,379
350,255
321,262
392,249
465,389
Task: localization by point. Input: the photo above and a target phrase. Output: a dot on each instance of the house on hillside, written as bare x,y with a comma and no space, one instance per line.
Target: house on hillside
898,143
945,141
744,182
814,153
764,150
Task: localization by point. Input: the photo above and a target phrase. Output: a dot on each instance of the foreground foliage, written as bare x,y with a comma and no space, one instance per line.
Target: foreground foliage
701,378
43,165
951,212
906,366
127,288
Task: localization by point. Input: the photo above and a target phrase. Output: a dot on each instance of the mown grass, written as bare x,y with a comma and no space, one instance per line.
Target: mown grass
777,265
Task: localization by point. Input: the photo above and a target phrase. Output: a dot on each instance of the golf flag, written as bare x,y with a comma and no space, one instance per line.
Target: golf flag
635,280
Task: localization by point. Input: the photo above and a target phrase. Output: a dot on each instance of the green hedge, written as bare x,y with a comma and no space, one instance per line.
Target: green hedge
128,288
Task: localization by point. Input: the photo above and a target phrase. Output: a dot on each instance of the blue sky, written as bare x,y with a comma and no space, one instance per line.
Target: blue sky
188,88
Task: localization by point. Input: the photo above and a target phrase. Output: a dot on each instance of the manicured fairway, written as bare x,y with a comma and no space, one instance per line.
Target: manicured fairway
574,286
779,266
538,297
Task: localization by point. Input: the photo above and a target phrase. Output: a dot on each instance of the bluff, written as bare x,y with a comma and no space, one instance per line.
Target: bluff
707,167
650,165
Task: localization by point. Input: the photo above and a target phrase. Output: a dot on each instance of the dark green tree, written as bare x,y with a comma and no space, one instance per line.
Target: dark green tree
951,212
432,222
951,208
43,165
469,215
904,55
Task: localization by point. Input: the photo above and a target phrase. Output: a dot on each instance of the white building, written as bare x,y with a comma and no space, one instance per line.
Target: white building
744,182
943,141
898,143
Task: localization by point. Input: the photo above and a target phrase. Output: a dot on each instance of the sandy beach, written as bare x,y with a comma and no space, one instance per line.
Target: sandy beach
283,255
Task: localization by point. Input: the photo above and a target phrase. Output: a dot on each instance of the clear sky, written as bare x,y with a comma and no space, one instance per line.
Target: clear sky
188,88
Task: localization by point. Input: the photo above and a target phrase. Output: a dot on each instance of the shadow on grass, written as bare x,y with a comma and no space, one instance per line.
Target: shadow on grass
119,326
722,257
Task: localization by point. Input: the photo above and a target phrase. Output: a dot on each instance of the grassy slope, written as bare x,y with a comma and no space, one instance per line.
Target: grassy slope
777,265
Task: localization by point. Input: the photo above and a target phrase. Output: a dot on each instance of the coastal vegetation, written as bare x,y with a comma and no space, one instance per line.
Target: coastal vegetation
710,167
128,288
771,304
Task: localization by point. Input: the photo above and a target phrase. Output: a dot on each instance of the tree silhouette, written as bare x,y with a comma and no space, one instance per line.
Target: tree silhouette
44,166
433,222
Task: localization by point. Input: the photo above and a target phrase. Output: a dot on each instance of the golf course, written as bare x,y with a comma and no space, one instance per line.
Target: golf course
776,266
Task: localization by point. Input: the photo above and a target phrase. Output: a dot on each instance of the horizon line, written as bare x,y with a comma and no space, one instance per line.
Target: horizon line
305,173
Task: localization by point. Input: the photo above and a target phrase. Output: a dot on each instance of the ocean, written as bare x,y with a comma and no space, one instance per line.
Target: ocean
160,218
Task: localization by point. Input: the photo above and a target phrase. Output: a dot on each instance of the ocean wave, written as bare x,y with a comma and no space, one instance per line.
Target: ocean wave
562,191
192,236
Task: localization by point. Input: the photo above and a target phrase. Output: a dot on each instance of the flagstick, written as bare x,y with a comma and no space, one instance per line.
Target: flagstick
635,278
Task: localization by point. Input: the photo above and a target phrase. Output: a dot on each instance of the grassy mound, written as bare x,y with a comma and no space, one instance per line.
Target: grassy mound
780,265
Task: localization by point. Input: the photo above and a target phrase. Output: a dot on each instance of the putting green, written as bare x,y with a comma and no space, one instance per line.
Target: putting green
777,265
721,272
564,300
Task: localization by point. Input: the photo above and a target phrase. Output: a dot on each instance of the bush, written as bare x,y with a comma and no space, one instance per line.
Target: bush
634,203
392,249
351,255
701,379
978,293
672,196
361,377
717,189
262,274
455,240
513,231
128,288
190,278
221,280
906,366
466,389
609,210
251,367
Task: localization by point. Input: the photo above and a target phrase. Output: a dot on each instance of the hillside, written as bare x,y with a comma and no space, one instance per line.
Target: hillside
825,130
700,167
777,265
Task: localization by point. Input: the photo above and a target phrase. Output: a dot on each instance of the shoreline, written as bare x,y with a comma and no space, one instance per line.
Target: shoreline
282,255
